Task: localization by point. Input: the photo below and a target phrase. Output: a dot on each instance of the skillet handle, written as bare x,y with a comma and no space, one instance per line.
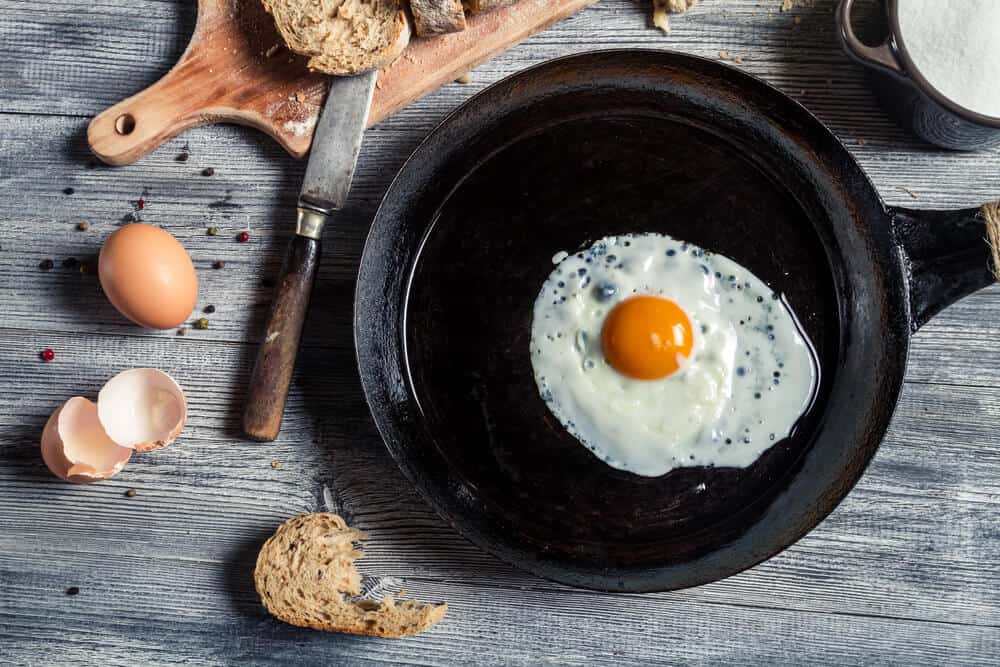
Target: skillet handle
881,57
947,253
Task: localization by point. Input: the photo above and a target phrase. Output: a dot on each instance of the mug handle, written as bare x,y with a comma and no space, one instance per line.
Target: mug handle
948,254
881,57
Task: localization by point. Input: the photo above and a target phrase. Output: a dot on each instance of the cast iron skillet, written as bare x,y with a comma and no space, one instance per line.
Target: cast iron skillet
634,141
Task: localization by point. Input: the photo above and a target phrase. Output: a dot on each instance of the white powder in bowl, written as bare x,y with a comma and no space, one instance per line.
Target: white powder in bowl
955,44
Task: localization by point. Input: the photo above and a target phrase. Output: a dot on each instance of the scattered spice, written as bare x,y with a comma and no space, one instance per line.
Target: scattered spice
83,226
243,237
73,590
68,191
182,157
69,263
140,204
275,464
213,231
46,264
182,331
48,354
201,323
208,171
131,493
209,309
218,265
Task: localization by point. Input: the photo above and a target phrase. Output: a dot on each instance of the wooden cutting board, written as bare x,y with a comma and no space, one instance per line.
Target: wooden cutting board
235,70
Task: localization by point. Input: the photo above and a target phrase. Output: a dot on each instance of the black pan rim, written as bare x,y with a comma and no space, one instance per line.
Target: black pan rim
371,346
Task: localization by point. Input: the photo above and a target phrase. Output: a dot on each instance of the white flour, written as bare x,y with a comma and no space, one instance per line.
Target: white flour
956,46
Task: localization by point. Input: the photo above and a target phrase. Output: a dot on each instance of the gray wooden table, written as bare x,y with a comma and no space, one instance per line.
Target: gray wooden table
906,571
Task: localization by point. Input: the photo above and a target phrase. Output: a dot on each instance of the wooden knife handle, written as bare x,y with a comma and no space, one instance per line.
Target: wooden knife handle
272,374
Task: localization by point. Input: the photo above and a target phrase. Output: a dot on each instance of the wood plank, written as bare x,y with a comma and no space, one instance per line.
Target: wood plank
545,629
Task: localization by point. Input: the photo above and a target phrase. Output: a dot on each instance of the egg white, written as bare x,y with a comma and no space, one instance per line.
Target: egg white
750,376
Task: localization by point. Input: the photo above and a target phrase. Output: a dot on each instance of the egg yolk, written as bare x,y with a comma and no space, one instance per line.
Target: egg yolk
646,337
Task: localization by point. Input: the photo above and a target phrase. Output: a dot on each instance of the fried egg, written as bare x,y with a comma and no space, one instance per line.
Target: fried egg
656,354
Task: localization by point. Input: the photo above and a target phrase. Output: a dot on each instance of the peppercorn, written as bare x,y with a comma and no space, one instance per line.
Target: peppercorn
209,309
131,493
46,264
68,191
141,204
48,354
83,226
218,265
182,157
243,237
182,331
208,171
201,323
73,590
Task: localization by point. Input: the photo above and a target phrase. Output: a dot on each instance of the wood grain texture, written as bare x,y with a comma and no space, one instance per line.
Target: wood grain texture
904,572
236,70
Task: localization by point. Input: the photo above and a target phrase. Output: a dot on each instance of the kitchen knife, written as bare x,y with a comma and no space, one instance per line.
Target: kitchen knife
332,158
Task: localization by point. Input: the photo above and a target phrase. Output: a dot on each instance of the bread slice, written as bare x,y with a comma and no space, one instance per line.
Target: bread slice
480,6
307,567
434,17
342,37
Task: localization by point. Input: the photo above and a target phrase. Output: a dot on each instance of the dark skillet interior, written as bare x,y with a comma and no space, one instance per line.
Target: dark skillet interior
552,159
469,321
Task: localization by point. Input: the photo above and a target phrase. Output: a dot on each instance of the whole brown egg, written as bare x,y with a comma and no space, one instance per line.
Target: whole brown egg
148,276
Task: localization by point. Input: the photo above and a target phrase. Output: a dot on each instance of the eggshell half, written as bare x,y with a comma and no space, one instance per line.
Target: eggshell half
75,446
148,276
142,409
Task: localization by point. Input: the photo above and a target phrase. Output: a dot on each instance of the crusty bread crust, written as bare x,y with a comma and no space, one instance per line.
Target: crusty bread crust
342,37
305,569
435,17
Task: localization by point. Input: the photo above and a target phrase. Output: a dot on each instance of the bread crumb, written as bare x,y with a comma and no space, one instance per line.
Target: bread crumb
465,78
909,192
663,7
786,5
299,97
275,464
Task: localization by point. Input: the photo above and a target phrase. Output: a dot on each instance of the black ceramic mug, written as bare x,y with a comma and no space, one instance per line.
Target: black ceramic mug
901,87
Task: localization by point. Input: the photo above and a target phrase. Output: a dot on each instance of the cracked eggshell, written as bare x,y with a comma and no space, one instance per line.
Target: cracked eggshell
75,446
142,409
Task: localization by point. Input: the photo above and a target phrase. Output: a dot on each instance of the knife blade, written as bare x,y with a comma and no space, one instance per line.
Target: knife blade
336,144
